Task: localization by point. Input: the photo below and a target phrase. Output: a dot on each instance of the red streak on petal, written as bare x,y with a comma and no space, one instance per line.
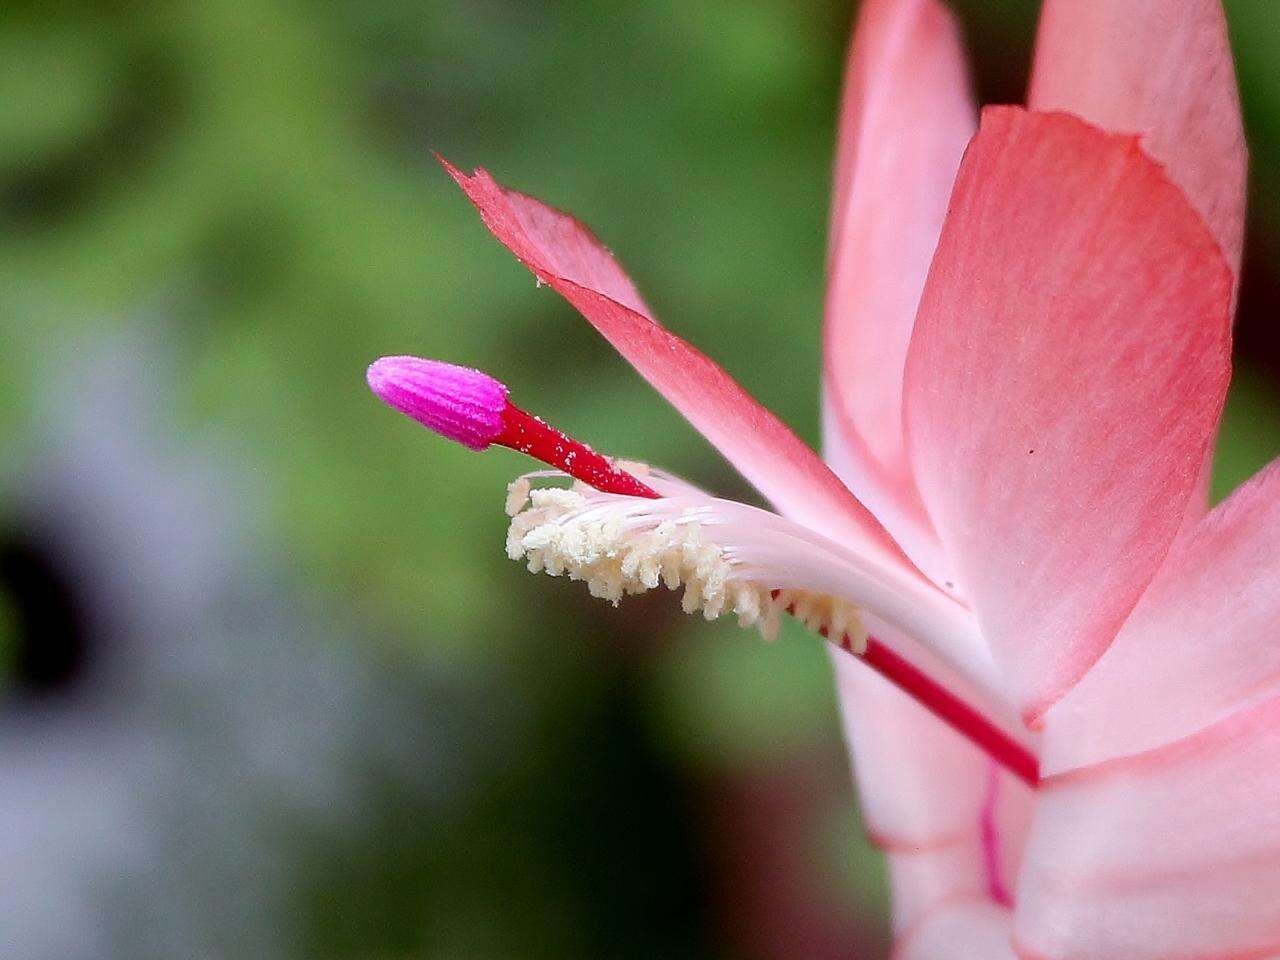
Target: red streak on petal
527,434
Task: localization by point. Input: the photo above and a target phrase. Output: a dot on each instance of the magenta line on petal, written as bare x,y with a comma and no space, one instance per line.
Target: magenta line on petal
459,403
990,834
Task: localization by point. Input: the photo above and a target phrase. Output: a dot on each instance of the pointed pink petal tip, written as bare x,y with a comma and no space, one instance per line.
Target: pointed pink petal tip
459,403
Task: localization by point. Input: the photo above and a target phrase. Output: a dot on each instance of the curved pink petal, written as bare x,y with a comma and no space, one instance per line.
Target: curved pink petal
566,256
1203,641
1068,366
1170,855
906,117
1161,69
959,930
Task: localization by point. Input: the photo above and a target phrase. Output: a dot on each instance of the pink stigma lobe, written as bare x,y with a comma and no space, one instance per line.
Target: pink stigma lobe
459,403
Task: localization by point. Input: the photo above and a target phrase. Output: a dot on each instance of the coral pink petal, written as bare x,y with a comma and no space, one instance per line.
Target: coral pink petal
906,117
962,929
1068,365
565,255
1169,855
1161,69
1203,641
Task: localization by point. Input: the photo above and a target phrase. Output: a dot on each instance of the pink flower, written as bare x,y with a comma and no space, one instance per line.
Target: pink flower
1027,348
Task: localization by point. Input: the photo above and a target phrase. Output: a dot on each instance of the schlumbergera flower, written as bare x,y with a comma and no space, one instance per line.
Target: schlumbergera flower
1068,740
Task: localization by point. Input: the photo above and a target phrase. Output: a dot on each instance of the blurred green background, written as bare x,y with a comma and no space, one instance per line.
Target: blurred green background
223,211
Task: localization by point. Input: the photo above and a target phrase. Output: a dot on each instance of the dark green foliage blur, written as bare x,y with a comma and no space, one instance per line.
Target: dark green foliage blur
250,183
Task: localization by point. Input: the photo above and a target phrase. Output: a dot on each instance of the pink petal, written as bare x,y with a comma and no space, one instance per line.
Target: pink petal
565,255
924,792
906,117
1162,69
959,930
1067,369
921,784
1170,855
1203,641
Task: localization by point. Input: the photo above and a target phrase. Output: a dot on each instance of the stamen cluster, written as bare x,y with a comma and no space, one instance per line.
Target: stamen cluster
621,546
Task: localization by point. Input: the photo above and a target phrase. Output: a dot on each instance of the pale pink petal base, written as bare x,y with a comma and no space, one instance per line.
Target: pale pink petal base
962,929
1170,855
948,823
921,784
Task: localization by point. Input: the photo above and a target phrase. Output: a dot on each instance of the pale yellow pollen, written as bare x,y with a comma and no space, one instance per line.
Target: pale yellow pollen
565,532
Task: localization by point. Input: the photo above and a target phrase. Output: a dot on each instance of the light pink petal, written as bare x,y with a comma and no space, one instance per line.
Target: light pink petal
906,117
923,877
959,930
899,508
921,784
1203,641
926,796
1067,369
1170,855
1162,69
565,255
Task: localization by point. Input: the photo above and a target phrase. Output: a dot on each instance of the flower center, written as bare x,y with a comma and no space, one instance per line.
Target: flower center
623,535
